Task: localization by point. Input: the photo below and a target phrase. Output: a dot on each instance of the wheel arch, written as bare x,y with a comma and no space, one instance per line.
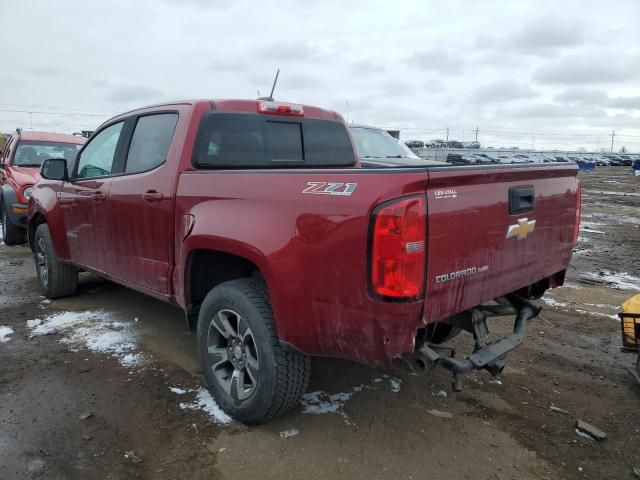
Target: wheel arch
206,268
35,221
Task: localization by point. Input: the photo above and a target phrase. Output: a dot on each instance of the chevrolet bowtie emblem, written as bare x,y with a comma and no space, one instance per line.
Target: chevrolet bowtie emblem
520,230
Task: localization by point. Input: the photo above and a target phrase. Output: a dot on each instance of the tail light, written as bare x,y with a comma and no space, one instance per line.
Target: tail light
280,108
398,239
576,228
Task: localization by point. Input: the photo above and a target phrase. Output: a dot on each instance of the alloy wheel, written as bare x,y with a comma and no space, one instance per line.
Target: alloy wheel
3,220
233,354
41,262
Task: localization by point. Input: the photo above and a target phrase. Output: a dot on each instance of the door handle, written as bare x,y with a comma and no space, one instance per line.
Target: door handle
98,197
152,196
521,199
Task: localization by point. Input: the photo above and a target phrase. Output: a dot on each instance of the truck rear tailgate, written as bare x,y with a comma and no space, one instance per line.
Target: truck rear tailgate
492,231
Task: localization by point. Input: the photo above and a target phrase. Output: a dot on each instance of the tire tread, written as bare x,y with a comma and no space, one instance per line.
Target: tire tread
63,278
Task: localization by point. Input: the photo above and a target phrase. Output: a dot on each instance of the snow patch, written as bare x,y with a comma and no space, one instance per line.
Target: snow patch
320,402
621,281
395,384
177,391
554,303
597,314
5,333
205,402
95,330
292,432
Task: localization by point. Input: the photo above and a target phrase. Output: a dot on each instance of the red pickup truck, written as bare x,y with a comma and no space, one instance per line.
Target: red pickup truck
261,221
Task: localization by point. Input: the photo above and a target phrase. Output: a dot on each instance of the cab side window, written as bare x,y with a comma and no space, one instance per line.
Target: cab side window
96,160
150,142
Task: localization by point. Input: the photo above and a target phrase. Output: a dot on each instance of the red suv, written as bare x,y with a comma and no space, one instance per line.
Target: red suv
20,168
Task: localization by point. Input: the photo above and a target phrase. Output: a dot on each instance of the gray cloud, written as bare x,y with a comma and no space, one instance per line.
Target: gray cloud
588,69
290,52
367,66
133,93
548,33
540,36
584,96
625,103
553,110
502,91
436,61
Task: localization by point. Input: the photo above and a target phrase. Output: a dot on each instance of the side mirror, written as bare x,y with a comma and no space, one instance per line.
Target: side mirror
54,169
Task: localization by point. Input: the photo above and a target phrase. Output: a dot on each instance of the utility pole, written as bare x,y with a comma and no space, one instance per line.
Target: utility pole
533,140
613,134
447,134
476,133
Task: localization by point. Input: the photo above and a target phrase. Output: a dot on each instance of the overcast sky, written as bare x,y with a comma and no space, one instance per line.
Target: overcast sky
547,73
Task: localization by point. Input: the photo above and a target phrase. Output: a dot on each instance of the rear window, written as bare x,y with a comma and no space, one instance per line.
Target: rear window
228,140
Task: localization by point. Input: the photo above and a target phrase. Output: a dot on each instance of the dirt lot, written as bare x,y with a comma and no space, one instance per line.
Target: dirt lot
87,380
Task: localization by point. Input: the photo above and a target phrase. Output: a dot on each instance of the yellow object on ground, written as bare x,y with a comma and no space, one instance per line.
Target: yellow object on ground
630,317
632,305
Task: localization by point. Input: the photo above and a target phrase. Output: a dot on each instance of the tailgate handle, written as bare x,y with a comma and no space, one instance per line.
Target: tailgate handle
521,199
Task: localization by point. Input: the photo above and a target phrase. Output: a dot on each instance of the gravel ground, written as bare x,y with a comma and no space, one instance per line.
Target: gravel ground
106,385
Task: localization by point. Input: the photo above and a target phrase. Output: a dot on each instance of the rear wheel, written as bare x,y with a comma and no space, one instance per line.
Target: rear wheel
11,234
57,279
248,372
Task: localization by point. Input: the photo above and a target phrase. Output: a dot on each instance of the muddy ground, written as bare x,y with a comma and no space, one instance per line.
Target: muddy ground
73,407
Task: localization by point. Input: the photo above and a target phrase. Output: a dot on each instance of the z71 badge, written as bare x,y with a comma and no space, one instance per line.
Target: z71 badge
330,188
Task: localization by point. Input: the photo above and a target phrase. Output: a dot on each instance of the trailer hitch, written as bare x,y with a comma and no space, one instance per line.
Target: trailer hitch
487,355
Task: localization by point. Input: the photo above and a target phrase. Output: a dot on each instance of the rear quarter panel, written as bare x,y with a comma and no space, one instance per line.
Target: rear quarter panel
311,249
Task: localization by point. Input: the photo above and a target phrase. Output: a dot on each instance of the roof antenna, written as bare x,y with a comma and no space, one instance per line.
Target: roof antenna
275,81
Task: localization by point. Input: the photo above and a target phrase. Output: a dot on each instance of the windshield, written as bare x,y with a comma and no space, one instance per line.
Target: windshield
376,143
32,154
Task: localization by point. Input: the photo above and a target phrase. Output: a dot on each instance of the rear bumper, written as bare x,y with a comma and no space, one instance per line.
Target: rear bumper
487,355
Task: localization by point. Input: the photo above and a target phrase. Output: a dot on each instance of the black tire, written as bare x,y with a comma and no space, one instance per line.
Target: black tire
11,234
282,375
57,279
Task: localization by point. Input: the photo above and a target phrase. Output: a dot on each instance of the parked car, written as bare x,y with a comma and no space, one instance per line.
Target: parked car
414,143
614,160
19,170
279,248
376,143
487,158
602,162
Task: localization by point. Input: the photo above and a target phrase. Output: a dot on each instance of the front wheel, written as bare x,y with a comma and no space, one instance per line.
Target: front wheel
11,234
248,372
57,279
